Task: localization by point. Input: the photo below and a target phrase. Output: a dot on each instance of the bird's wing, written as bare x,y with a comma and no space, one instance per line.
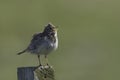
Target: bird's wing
36,36
36,41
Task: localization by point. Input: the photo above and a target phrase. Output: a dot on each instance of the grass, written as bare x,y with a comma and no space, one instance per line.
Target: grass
88,37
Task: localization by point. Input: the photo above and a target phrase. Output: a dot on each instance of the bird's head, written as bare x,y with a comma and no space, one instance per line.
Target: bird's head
50,29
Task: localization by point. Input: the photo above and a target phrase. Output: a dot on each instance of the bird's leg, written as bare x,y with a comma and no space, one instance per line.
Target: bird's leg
39,60
46,60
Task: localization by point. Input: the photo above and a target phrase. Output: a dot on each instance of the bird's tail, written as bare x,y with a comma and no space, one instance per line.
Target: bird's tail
22,52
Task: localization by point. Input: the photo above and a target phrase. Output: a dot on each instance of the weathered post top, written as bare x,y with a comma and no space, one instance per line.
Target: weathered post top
35,73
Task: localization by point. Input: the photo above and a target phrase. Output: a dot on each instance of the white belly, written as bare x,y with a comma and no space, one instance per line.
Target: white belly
47,47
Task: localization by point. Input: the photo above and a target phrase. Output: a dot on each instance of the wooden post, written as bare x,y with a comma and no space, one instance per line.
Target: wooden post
35,73
26,73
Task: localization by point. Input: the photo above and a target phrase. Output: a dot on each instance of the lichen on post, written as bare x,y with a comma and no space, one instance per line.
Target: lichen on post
44,73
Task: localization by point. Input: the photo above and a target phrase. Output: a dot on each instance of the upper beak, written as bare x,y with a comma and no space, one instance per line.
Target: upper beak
56,27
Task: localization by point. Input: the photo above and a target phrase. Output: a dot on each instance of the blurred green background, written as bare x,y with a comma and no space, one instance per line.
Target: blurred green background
89,37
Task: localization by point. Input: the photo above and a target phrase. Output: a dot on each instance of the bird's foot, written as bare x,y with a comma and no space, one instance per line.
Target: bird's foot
48,65
40,65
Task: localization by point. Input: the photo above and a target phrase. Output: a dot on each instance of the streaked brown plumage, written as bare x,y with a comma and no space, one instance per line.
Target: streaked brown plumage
43,43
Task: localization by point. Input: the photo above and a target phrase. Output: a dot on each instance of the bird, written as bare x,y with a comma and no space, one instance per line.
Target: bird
43,43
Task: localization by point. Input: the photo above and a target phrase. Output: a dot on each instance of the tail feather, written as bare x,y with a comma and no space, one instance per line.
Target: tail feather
22,52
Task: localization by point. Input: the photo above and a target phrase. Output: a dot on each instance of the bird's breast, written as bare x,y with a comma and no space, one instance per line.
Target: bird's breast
48,46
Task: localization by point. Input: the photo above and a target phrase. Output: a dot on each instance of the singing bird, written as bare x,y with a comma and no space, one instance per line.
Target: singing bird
43,43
